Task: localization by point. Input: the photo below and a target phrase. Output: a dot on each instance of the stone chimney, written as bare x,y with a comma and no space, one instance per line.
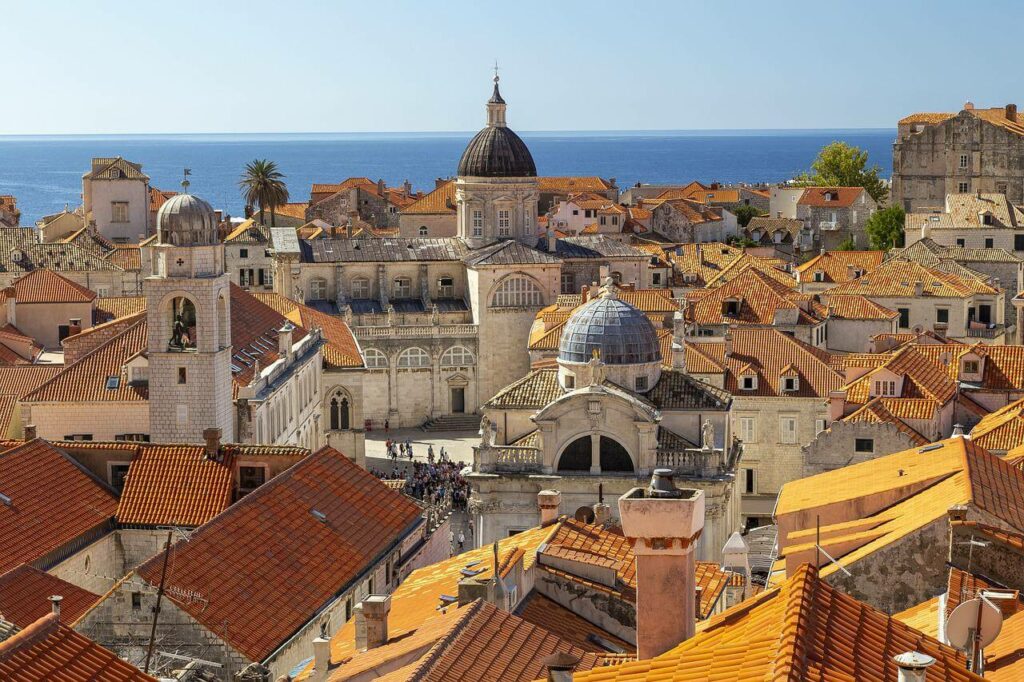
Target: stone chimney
958,512
1011,112
348,227
407,188
55,601
552,241
372,621
560,666
736,559
548,501
594,290
918,289
585,294
30,431
321,659
381,187
728,344
602,513
913,666
212,438
969,106
284,340
663,523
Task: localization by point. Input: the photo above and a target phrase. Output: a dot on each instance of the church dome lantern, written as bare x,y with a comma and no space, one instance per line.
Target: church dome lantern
496,151
619,333
186,220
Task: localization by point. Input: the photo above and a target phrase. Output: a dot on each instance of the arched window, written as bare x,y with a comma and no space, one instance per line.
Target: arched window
360,287
318,289
402,287
375,359
517,291
458,356
183,324
413,357
340,412
423,230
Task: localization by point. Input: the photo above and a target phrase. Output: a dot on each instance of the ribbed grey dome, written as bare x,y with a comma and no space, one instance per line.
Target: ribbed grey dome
186,220
620,332
497,152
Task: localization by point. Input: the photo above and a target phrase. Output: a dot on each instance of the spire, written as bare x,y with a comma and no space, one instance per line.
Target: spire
496,105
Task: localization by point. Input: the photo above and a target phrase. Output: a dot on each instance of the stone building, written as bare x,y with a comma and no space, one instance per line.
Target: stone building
247,256
976,150
974,220
115,198
10,216
836,214
374,202
686,221
607,416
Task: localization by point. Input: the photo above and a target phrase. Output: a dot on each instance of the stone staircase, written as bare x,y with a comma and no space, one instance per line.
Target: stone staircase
452,422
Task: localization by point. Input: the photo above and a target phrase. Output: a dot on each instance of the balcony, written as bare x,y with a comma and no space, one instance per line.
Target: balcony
702,462
431,331
828,225
993,332
509,459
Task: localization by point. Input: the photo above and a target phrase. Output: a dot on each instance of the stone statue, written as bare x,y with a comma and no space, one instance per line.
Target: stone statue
707,435
487,431
178,334
596,368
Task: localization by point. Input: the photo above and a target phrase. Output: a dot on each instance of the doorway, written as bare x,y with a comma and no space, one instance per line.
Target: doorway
458,400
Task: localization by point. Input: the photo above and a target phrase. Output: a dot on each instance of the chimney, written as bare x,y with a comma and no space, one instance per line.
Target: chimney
30,431
698,592
439,182
560,666
284,340
918,289
552,241
407,188
913,666
836,405
548,501
585,294
348,227
728,344
1011,112
958,430
321,659
594,291
969,106
663,523
212,437
699,250
380,187
372,621
602,513
55,601
958,512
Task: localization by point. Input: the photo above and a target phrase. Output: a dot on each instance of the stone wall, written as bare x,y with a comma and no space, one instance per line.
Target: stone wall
835,447
101,420
600,607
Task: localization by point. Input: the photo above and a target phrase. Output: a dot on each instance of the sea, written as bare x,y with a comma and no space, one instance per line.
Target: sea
44,172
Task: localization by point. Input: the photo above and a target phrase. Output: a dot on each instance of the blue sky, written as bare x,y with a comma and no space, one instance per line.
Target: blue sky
302,66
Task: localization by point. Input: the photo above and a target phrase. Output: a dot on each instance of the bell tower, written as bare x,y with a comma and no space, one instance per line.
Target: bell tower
188,308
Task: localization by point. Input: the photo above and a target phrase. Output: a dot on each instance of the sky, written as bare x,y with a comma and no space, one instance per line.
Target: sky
103,67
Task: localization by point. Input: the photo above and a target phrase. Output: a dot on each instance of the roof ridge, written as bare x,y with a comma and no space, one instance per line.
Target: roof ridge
39,630
448,640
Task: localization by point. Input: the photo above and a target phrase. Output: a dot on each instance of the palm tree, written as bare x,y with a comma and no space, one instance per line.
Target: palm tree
263,185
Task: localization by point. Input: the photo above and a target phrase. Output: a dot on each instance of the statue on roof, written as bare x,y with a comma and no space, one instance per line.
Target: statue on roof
707,435
597,368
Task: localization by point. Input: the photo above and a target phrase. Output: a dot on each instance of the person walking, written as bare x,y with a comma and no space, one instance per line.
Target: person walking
451,538
387,426
462,540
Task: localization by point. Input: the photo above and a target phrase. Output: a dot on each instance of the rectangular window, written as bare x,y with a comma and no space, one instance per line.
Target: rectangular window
402,287
136,601
251,477
446,287
361,288
78,436
942,315
885,388
790,383
864,445
961,243
963,160
964,187
656,278
641,383
568,283
504,223
118,474
749,481
478,222
787,430
970,366
182,375
747,432
904,317
748,383
1018,242
819,426
604,220
113,383
989,242
118,211
570,381
243,253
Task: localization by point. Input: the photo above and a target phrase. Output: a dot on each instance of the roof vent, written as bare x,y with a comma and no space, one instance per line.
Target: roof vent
913,666
6,501
319,516
661,485
933,446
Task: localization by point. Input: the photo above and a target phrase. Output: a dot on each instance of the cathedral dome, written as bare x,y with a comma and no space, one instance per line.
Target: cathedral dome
496,151
186,220
622,334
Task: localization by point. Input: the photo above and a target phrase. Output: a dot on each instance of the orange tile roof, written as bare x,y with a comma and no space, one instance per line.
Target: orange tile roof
175,485
877,411
572,184
922,377
111,307
897,278
49,650
23,379
804,629
53,501
295,210
840,266
1002,429
854,307
759,298
441,201
993,115
699,193
555,618
25,593
773,267
766,351
284,564
47,286
126,256
842,196
341,349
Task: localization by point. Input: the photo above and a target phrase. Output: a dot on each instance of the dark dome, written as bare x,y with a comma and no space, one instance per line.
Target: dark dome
620,332
497,152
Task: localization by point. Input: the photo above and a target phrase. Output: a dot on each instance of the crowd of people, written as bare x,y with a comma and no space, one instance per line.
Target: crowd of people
432,481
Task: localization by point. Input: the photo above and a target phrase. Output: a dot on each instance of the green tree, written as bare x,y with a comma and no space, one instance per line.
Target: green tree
744,214
885,228
846,245
841,165
263,185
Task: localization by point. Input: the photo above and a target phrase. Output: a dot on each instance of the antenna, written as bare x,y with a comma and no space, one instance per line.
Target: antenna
972,626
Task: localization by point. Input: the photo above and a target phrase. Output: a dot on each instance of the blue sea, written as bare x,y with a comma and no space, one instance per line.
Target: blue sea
44,172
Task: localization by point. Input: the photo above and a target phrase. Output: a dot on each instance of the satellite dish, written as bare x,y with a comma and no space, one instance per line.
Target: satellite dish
965,619
585,514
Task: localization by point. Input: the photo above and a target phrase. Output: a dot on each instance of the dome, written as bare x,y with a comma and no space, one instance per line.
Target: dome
186,220
620,332
496,151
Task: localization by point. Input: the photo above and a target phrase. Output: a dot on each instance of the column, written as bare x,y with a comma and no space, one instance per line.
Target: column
595,453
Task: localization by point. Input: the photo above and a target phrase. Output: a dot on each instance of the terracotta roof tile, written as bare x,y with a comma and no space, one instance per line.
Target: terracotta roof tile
284,563
830,196
175,485
1001,430
47,286
52,502
572,184
853,307
112,307
555,618
803,630
341,349
115,168
840,266
49,650
248,232
25,592
758,296
897,278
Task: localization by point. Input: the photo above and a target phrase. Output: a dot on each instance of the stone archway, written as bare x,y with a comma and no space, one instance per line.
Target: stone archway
579,455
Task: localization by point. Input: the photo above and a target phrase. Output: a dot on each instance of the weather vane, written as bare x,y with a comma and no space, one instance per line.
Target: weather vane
184,181
495,70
